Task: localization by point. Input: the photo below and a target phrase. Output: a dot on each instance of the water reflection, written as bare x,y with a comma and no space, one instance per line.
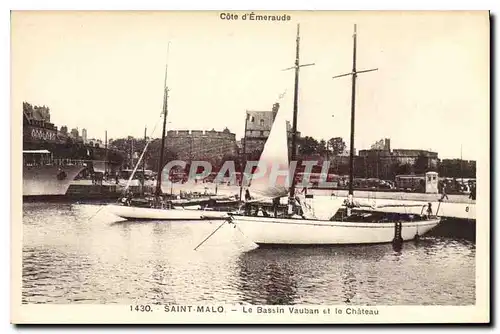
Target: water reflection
293,275
263,280
349,283
43,266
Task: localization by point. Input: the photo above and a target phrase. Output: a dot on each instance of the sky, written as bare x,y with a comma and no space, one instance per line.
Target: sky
104,71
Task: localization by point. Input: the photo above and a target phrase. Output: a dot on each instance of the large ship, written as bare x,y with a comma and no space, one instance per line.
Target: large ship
45,176
52,159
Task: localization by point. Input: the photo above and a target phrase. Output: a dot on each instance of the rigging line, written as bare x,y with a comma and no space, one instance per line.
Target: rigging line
241,232
128,183
141,157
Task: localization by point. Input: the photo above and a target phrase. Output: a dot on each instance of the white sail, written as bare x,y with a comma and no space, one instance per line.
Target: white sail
276,180
272,175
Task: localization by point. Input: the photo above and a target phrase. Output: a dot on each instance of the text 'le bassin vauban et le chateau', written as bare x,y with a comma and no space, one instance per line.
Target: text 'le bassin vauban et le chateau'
254,17
273,310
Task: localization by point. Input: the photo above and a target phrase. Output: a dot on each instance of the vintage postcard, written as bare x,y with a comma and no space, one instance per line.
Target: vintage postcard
250,167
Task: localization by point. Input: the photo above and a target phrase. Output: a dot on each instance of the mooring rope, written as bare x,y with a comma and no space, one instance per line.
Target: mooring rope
201,243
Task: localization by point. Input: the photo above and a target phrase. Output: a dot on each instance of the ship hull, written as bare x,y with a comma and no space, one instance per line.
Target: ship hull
141,213
282,231
44,181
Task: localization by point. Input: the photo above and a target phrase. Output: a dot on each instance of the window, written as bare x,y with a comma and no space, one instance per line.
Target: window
262,133
253,119
261,122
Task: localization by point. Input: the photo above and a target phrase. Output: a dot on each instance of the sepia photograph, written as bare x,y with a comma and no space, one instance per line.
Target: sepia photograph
250,166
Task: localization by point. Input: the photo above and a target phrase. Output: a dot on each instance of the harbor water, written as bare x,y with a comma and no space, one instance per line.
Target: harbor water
73,255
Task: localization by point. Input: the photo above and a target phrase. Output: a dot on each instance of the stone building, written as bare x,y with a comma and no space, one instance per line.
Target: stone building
383,144
38,113
409,156
74,133
201,145
382,162
375,163
84,136
258,127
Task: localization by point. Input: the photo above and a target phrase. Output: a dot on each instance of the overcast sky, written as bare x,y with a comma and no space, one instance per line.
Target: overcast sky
105,71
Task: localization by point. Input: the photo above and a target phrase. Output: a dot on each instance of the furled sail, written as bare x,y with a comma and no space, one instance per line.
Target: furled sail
320,207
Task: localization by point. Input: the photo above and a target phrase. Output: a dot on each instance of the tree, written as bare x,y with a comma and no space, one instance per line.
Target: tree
121,144
75,133
421,165
152,161
152,155
308,146
404,169
393,170
321,147
337,145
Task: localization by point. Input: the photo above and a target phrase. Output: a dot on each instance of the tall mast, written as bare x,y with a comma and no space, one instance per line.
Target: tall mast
145,142
132,153
144,162
244,155
354,74
106,151
165,112
461,167
353,113
293,156
295,106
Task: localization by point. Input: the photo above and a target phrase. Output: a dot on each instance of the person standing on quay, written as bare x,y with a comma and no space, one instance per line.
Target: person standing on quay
276,203
444,193
247,202
472,194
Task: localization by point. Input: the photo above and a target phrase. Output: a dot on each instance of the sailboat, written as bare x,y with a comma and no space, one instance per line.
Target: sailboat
321,221
158,208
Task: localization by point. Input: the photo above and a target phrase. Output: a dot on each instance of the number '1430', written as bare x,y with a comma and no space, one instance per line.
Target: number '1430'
141,308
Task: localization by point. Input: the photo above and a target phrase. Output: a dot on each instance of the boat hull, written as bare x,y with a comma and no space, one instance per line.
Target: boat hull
48,180
279,231
139,213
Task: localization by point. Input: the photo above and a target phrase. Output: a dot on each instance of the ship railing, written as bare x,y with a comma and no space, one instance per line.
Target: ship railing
56,162
68,162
